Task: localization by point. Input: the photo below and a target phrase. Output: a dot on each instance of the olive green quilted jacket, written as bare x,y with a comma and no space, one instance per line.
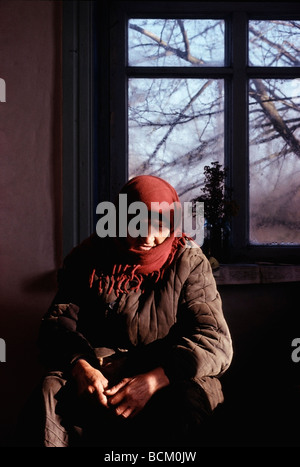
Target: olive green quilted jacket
176,323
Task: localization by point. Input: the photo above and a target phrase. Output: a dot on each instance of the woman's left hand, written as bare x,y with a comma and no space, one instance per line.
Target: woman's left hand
131,395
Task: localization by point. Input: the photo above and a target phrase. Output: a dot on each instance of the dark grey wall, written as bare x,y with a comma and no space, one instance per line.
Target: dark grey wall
262,386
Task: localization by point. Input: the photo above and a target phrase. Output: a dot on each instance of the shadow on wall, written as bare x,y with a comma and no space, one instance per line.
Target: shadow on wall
30,227
262,386
21,370
40,284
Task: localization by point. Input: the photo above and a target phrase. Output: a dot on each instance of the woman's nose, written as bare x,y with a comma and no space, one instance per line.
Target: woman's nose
150,238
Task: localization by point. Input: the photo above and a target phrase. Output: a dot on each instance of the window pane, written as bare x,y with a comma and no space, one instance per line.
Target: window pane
168,42
176,127
274,132
274,43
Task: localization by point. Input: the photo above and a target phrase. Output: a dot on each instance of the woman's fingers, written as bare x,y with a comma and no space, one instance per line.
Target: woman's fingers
102,398
113,390
124,411
90,381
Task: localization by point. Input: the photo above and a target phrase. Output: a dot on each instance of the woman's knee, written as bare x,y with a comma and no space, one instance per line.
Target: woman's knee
53,382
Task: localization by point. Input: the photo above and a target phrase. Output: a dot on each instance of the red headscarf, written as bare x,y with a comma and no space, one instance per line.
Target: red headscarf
127,268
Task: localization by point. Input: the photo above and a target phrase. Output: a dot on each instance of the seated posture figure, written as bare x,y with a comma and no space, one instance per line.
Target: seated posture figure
135,340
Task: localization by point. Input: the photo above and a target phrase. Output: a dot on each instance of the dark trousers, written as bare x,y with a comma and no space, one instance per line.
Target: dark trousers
56,417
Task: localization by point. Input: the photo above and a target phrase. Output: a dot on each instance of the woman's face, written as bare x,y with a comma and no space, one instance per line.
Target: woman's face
158,231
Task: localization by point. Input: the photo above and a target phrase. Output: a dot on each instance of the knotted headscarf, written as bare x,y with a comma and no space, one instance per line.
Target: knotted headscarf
124,268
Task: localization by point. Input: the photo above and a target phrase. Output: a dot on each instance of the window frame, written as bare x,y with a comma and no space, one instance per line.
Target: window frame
106,134
77,121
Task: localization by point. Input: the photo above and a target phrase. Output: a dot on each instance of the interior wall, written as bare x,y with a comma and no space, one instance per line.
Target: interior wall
30,225
262,385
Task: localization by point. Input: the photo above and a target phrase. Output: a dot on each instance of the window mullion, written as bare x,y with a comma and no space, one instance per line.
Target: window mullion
118,164
180,72
239,129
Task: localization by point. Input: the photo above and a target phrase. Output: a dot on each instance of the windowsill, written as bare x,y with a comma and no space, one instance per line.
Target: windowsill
229,274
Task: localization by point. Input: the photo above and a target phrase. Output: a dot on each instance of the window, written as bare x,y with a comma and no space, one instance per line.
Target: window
180,116
274,132
195,82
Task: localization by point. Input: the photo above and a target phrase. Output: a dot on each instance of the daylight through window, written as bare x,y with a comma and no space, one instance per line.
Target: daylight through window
180,115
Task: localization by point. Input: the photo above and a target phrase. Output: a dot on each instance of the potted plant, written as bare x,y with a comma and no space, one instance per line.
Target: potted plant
218,210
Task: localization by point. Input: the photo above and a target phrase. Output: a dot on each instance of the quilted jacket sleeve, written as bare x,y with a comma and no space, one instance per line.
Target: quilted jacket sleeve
59,341
201,344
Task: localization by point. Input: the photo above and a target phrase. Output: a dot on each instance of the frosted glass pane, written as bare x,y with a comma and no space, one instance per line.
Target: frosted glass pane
170,42
274,133
274,43
176,127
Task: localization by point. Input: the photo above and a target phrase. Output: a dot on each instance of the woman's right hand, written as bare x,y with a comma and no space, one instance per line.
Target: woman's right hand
90,381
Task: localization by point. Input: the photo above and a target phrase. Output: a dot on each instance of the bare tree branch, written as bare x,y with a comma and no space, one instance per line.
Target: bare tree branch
268,107
177,120
281,50
185,55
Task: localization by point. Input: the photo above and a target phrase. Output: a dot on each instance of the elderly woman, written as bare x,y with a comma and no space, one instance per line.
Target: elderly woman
135,341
